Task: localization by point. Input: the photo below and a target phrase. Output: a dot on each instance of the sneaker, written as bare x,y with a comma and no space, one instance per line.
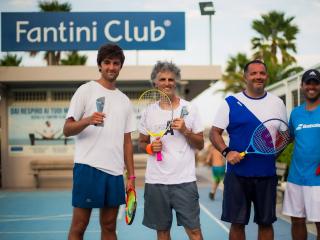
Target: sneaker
211,195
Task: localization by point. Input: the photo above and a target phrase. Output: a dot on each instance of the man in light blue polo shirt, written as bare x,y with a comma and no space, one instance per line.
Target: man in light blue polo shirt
302,195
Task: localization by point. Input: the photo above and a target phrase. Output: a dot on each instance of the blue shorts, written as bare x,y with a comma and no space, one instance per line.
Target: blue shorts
93,188
239,192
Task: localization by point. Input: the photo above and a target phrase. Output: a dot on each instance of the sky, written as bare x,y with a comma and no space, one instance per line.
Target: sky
231,32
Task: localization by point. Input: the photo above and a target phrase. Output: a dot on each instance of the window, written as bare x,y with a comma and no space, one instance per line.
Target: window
294,94
62,96
133,94
25,96
302,98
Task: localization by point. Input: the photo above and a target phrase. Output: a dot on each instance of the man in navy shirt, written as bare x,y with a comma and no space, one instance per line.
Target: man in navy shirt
252,178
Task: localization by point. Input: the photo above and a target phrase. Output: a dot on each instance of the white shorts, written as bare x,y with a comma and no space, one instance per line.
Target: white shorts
302,201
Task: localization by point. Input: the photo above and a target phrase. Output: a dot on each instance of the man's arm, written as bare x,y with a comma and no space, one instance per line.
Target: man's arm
128,160
194,139
216,139
72,127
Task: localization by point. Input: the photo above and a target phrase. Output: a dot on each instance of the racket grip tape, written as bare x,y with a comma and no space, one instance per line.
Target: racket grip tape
242,154
159,156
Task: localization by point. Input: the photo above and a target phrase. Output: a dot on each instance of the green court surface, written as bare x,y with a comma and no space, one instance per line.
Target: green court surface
46,215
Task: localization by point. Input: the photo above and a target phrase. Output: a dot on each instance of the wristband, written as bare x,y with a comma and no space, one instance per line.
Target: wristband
132,177
226,151
149,149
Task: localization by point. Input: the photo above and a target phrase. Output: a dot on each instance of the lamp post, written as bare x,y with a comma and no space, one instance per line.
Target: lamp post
206,8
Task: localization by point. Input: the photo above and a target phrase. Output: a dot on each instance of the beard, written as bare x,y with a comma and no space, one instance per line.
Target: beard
313,98
110,77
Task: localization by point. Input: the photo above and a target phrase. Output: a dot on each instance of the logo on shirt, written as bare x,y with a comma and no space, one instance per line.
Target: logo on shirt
170,130
302,126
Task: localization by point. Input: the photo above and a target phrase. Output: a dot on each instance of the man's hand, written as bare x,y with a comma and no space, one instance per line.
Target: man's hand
97,118
179,124
130,184
156,145
233,157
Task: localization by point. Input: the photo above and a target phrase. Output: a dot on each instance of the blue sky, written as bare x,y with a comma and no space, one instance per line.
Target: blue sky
231,28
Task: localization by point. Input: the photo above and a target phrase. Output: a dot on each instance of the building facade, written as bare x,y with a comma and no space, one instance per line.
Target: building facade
289,90
35,100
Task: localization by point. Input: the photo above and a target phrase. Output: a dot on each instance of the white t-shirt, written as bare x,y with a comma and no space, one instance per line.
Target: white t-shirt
178,157
102,147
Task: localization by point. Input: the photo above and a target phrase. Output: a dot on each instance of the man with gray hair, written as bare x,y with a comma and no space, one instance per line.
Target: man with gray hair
171,183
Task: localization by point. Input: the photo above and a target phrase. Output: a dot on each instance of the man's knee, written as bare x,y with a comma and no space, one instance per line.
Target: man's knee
195,234
108,226
163,234
79,226
237,227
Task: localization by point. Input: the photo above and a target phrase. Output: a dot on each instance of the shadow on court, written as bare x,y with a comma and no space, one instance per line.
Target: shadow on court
35,215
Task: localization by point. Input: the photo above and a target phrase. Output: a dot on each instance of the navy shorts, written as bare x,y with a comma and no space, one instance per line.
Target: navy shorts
93,188
240,192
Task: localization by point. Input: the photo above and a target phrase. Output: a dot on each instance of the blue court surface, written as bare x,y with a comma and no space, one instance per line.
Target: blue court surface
46,215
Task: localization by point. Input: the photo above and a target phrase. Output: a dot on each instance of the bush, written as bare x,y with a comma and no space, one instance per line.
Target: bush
285,156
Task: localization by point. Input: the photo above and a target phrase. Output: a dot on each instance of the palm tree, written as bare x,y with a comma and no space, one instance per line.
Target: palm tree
278,72
233,76
54,6
10,60
74,58
52,57
276,38
275,41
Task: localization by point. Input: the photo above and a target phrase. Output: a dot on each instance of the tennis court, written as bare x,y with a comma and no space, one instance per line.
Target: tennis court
46,214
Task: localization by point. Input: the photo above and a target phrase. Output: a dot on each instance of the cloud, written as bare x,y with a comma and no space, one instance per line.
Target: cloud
17,5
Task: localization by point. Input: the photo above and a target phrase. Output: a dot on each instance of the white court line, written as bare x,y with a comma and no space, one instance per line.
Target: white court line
35,218
14,216
47,232
207,211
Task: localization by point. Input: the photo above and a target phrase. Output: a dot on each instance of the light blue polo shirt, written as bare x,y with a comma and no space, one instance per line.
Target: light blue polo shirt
305,128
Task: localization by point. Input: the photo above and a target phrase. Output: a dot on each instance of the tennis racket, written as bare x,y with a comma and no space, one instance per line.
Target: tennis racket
269,138
131,205
154,109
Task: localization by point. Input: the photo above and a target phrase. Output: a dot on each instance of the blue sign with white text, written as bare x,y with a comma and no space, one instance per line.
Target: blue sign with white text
68,31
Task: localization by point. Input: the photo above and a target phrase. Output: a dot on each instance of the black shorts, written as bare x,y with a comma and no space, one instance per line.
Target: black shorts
240,192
